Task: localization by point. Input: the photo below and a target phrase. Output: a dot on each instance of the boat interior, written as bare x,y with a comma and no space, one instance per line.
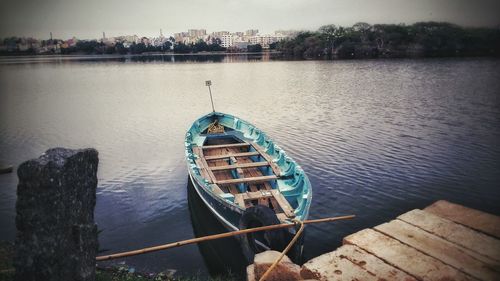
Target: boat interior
235,167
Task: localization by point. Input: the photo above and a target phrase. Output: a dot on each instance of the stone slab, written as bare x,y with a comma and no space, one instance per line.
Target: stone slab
403,257
350,262
434,246
470,239
484,222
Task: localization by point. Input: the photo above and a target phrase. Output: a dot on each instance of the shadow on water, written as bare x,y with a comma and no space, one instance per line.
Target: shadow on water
221,256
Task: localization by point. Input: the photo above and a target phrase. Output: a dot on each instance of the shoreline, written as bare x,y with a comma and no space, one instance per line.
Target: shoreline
274,55
142,54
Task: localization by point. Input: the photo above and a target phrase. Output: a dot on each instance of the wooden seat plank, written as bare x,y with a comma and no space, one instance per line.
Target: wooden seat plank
484,222
247,180
278,202
281,216
224,174
252,172
285,206
276,206
439,248
244,144
403,257
274,167
203,171
243,154
204,164
468,238
216,189
233,189
242,165
238,199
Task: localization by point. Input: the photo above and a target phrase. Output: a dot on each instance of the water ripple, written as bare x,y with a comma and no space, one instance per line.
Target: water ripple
376,138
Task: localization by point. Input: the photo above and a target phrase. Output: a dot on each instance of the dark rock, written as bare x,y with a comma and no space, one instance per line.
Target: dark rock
56,234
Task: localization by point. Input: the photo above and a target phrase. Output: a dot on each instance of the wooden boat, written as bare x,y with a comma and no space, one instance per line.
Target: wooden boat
247,180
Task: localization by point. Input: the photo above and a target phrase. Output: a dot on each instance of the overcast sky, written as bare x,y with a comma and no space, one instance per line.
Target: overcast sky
89,18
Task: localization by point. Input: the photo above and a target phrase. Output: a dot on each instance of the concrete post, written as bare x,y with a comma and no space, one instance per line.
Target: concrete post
56,234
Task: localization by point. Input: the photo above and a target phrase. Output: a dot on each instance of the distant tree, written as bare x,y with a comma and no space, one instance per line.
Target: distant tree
110,50
217,41
120,49
254,48
333,36
314,47
138,48
181,48
89,47
199,46
166,46
215,47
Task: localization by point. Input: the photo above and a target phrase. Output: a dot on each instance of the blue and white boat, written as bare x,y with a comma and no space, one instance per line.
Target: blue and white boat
247,180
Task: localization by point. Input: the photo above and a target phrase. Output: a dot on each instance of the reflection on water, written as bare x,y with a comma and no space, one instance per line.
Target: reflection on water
160,58
377,138
223,255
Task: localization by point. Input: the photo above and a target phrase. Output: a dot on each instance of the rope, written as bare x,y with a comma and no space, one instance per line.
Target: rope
288,247
215,128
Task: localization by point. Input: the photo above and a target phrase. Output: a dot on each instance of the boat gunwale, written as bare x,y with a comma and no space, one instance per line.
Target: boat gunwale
303,214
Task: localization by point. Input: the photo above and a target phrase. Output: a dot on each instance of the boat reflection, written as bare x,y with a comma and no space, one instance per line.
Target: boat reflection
221,256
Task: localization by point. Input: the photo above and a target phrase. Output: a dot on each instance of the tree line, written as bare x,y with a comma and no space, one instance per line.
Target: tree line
99,47
423,39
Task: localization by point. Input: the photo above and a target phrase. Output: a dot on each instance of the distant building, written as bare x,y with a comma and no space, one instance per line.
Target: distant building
181,37
227,40
219,34
251,32
264,40
286,33
197,33
241,45
71,42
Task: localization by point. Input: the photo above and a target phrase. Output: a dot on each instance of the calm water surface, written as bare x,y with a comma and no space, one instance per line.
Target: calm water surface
377,138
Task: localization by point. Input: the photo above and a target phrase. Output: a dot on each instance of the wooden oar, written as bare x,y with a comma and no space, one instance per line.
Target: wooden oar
213,237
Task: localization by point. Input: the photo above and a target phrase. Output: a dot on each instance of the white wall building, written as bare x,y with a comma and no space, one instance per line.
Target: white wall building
227,40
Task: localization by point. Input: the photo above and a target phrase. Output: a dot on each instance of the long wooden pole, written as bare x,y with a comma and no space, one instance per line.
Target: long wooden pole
213,237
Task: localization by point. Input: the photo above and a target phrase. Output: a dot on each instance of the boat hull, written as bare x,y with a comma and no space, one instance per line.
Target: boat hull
286,181
229,217
225,213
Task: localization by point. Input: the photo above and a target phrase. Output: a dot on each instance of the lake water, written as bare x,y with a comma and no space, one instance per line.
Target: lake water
377,138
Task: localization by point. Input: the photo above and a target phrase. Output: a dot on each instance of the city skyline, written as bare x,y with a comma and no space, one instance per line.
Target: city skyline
160,33
88,19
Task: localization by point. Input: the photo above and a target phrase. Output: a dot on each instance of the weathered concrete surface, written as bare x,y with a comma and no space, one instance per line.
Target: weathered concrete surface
445,241
439,248
56,234
401,256
351,263
417,245
251,273
470,239
286,270
475,219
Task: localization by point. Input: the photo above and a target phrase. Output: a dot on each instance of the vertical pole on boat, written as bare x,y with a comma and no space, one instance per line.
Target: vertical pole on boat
209,83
